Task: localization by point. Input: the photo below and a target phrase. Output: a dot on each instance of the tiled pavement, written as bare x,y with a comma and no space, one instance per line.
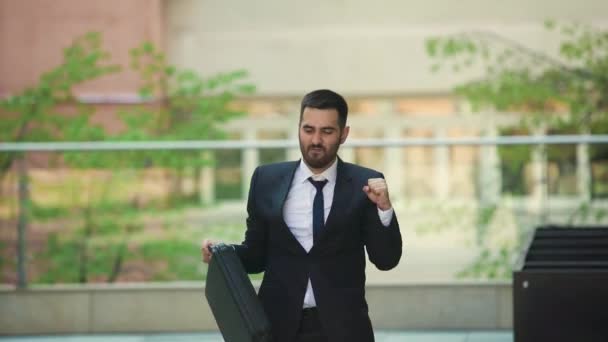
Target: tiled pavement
381,336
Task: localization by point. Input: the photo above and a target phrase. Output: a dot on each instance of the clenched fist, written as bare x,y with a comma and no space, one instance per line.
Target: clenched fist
377,191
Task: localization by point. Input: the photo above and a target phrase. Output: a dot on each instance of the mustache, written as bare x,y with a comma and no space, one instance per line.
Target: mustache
315,146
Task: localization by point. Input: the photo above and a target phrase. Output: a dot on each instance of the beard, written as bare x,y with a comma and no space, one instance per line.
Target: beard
319,156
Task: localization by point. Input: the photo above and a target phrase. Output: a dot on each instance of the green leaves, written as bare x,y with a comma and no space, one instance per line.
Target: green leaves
193,105
180,255
491,263
519,78
461,50
431,46
566,94
180,105
35,107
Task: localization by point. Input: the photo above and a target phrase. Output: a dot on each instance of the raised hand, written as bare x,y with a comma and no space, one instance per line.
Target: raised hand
377,191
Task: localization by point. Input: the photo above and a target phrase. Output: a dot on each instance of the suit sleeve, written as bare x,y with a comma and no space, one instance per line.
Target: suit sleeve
383,244
252,251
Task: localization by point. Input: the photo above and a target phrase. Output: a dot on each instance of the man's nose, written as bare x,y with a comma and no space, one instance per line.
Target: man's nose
316,138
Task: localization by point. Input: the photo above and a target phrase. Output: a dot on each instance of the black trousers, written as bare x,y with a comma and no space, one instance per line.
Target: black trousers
310,327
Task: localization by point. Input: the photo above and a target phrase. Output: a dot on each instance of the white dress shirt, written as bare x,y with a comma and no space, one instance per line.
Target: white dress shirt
297,211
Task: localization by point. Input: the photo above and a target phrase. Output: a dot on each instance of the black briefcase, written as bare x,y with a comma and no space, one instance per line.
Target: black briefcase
232,298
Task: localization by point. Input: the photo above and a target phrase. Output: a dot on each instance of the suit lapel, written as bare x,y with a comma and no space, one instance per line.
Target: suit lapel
283,185
278,202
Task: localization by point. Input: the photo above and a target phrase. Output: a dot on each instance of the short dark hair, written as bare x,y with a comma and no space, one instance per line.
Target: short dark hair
326,99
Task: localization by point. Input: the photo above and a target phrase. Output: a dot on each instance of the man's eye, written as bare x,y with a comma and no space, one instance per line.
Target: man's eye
328,131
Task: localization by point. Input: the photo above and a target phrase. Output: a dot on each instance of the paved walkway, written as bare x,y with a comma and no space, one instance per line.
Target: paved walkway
381,336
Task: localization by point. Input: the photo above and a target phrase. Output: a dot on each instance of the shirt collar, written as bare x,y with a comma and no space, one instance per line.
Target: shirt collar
303,173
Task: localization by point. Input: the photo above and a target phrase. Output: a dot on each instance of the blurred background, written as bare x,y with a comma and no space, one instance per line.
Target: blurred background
187,97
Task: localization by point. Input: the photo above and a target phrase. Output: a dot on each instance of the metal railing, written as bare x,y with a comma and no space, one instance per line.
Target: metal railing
262,144
391,146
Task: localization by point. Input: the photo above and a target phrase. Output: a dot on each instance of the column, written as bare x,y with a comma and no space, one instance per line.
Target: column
292,133
393,157
583,171
347,154
539,177
250,160
207,184
441,156
393,162
490,181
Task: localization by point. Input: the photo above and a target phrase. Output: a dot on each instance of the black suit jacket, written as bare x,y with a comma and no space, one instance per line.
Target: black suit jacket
336,262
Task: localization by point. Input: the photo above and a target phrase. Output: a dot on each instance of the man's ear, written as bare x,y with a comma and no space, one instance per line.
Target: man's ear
344,135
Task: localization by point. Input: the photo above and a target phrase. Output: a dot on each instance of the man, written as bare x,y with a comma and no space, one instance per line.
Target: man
308,223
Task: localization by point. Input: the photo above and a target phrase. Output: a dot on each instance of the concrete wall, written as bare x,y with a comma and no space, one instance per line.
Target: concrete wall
356,47
177,307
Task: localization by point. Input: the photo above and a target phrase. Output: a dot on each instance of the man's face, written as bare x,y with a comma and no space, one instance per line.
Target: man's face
320,137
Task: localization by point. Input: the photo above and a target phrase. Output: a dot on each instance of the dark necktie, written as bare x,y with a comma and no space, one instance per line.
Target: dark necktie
318,212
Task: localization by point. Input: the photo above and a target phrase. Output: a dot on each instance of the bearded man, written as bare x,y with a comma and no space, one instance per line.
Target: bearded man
309,224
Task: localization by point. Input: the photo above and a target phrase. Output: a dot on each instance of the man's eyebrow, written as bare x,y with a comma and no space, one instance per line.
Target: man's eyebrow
323,127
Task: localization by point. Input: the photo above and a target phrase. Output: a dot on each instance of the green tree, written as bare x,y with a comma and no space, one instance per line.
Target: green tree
520,78
33,115
182,106
192,108
565,94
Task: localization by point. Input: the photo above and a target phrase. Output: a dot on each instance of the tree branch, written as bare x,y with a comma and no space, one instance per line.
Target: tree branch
581,73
